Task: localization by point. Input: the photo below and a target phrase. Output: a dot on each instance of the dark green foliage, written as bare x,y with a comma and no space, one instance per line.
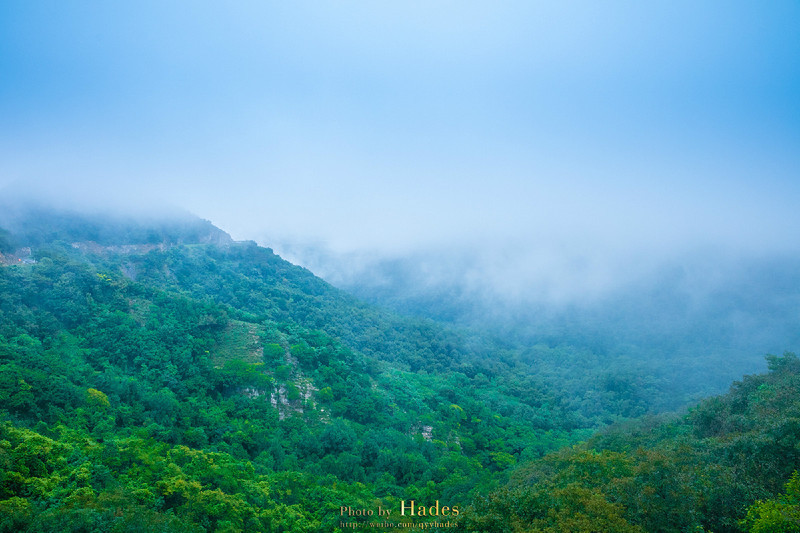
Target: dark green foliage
780,514
697,473
212,352
216,387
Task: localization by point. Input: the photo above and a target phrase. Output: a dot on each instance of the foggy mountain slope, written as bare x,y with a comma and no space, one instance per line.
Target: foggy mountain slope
199,383
703,317
261,286
179,252
436,243
679,330
34,222
223,370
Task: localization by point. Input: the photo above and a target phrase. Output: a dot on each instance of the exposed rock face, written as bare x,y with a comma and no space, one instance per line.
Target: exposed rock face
21,256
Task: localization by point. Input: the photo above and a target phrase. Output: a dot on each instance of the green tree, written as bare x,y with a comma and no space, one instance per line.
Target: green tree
777,515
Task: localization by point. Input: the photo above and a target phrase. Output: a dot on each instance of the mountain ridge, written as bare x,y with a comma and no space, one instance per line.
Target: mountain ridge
213,386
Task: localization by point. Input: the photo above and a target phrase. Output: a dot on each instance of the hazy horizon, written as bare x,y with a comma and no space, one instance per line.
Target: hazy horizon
568,142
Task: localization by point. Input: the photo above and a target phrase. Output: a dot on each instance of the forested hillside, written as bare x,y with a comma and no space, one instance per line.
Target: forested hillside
694,319
217,386
730,464
159,375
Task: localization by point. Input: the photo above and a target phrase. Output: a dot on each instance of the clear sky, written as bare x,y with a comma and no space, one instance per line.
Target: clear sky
399,125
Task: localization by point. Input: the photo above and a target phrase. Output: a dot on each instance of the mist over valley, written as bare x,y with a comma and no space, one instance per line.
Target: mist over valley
455,266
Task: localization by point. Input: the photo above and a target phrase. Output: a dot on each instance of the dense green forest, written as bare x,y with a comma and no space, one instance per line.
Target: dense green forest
720,467
156,375
700,314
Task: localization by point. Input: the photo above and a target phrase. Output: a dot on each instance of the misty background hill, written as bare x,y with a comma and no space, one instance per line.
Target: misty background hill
703,317
34,221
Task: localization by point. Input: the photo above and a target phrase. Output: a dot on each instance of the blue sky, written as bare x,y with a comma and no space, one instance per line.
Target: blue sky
389,127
